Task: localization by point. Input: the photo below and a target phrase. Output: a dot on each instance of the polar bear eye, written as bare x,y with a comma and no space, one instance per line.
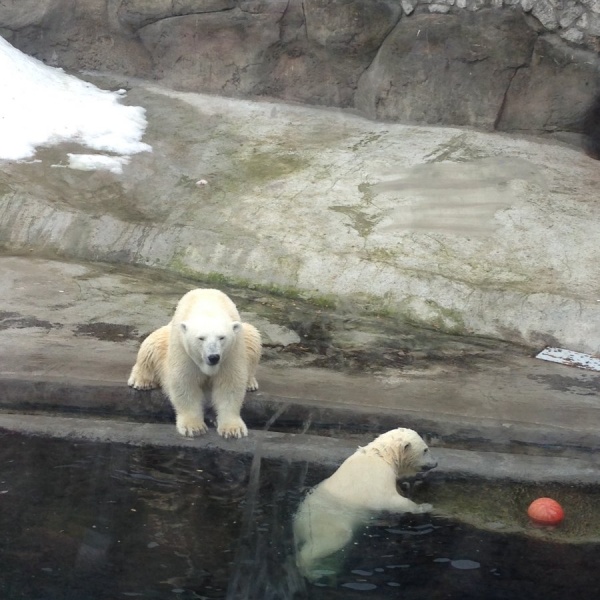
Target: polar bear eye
201,338
221,338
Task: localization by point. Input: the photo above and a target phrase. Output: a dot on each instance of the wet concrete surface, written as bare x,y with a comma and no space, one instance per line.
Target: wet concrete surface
69,333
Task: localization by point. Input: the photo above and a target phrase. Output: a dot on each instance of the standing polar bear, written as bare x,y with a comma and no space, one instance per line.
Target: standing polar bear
364,485
204,347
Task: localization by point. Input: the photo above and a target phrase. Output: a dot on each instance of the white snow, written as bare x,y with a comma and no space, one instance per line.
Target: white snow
42,105
91,162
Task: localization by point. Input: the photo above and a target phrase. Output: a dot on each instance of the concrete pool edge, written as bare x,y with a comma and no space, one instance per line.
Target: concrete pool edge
70,333
109,400
326,451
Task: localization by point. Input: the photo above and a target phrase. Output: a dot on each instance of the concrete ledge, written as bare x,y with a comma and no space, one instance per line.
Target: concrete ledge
329,452
66,349
315,414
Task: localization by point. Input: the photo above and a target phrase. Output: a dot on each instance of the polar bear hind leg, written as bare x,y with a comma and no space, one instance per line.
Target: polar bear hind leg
147,371
253,351
331,537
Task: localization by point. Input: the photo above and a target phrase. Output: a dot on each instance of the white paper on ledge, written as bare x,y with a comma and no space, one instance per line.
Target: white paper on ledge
570,358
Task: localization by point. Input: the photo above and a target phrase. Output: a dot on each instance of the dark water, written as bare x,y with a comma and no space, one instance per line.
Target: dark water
99,521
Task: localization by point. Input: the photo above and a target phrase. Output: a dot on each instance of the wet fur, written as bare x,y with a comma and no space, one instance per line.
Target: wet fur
164,361
149,370
364,485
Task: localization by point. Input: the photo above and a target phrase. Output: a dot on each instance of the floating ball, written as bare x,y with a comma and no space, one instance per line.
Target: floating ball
545,511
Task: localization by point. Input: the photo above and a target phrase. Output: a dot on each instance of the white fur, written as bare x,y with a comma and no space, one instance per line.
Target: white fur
177,357
364,485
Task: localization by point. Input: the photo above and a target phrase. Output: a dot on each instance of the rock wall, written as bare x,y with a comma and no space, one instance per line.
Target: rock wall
513,65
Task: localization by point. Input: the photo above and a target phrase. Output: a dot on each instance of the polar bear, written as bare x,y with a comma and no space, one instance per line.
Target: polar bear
364,485
204,347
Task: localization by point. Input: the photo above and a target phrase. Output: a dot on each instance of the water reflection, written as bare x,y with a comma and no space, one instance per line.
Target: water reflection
364,485
99,521
83,521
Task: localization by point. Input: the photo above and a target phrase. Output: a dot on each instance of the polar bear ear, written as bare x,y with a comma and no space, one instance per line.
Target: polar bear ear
236,325
403,453
404,450
183,327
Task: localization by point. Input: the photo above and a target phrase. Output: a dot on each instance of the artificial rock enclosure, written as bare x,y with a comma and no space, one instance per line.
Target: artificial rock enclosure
472,226
358,162
510,65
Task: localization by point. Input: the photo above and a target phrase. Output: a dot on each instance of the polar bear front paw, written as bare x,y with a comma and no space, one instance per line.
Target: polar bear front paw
191,426
252,385
232,428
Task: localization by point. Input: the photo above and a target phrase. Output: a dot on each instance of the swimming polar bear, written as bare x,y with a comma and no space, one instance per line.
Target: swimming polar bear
364,485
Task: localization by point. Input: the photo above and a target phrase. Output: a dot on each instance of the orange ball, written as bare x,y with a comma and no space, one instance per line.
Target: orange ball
545,511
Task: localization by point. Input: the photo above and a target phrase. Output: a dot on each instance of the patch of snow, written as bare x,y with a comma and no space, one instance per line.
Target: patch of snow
92,162
42,105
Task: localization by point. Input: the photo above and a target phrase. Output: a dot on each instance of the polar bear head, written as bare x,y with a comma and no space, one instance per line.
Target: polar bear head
404,449
208,339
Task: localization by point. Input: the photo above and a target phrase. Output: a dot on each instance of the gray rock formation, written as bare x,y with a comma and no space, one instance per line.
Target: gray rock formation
552,92
527,65
452,68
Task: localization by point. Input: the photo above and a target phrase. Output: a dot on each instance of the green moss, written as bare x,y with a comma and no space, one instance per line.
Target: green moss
449,321
375,306
414,310
428,313
502,506
218,279
417,312
325,302
381,255
263,166
211,277
247,170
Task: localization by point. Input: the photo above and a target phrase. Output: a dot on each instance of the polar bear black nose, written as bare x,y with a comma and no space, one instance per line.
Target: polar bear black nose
213,359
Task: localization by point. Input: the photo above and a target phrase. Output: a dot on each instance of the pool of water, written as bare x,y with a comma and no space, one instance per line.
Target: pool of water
107,521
